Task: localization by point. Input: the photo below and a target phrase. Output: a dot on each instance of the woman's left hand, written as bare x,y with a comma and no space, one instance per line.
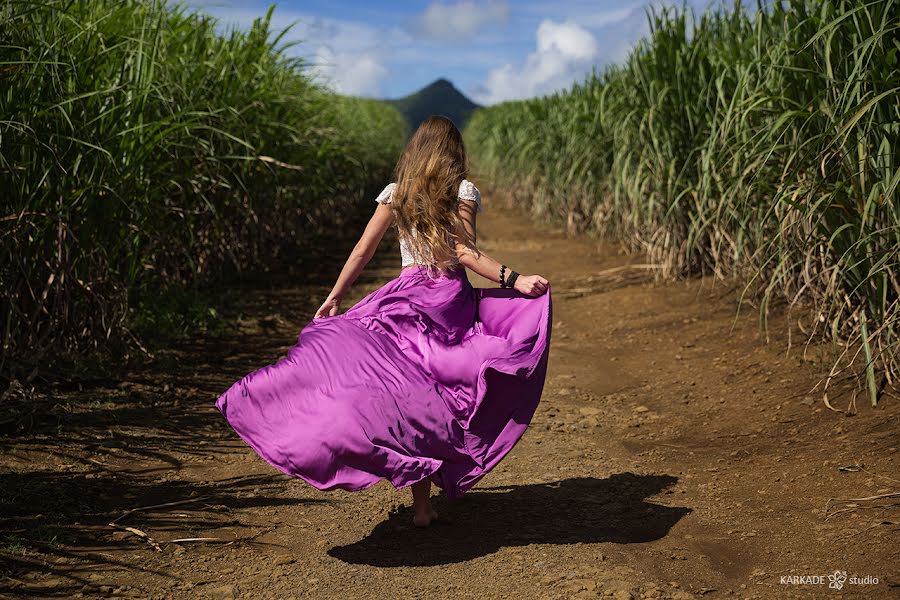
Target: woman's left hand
531,285
330,308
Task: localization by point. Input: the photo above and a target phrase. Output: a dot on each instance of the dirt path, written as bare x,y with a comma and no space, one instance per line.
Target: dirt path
671,457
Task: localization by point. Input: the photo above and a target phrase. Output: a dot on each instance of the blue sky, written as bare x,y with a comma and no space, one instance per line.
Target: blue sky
492,50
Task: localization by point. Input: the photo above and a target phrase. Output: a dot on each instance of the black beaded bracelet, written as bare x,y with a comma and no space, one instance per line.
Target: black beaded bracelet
511,280
503,276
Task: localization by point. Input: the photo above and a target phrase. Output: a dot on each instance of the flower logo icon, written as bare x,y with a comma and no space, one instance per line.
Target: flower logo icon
836,580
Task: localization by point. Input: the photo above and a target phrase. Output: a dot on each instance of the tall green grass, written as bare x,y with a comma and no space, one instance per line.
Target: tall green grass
143,148
760,145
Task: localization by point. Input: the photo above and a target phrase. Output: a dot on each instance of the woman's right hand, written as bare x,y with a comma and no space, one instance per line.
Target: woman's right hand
531,285
329,308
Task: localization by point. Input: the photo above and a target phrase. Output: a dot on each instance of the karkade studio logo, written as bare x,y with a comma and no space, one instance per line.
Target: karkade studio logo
836,580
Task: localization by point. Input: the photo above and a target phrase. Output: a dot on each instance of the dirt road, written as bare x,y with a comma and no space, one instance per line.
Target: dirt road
674,455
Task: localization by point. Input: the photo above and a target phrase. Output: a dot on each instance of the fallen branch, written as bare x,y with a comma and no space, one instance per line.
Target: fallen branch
867,498
140,534
852,503
152,506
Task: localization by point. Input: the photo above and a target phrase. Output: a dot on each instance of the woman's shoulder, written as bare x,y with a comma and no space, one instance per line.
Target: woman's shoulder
386,194
468,191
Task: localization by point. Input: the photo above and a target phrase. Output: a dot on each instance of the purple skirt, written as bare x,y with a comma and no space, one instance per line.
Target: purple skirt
425,377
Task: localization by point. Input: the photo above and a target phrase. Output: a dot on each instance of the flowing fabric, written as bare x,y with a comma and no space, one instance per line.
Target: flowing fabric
425,377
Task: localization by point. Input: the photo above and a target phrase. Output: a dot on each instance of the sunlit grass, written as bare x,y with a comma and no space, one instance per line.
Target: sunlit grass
761,146
140,150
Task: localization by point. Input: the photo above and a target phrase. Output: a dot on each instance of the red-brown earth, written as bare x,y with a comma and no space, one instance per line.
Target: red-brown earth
675,454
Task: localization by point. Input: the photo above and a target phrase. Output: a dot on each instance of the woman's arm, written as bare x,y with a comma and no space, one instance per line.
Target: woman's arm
360,256
476,260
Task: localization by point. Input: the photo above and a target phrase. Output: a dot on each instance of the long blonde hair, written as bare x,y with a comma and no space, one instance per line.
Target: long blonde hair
428,175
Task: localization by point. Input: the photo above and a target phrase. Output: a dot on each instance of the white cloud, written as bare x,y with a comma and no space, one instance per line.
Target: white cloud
461,19
565,52
348,57
567,39
348,72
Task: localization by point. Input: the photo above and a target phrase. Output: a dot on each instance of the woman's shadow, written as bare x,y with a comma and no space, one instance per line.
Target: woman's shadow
583,510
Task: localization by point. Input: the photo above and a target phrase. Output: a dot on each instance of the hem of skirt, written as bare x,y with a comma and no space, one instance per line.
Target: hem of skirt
440,463
318,486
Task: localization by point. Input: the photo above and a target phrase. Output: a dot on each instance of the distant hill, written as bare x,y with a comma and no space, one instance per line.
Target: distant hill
437,98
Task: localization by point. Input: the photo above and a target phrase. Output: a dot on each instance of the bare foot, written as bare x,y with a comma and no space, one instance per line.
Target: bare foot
423,514
425,517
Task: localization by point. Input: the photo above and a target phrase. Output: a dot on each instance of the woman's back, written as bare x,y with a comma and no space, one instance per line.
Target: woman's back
467,191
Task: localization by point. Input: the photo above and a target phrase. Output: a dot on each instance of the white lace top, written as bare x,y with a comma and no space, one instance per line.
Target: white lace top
467,191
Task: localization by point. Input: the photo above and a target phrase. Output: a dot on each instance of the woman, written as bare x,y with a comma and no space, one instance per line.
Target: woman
424,380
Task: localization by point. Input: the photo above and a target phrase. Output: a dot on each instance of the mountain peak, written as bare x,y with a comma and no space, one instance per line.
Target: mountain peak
441,82
440,97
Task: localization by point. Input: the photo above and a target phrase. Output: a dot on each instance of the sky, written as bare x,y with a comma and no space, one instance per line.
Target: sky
492,50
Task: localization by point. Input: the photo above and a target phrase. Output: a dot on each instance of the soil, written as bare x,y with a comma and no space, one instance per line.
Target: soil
675,454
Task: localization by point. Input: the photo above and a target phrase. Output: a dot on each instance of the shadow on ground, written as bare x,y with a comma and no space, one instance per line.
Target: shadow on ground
59,523
572,511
